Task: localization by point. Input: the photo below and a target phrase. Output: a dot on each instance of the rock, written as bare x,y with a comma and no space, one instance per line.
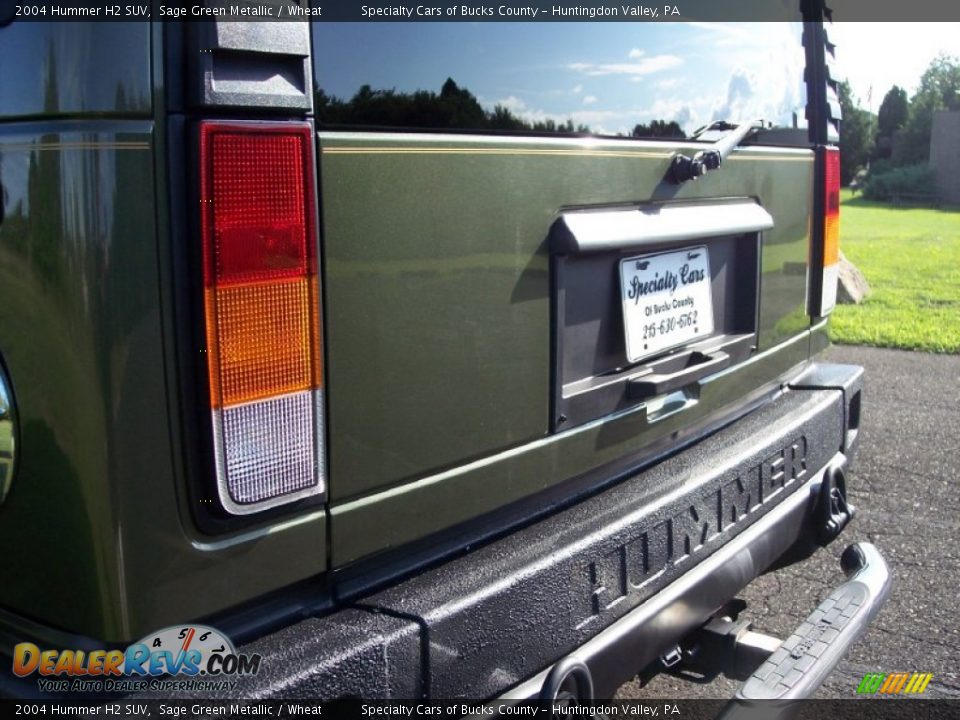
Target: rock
852,287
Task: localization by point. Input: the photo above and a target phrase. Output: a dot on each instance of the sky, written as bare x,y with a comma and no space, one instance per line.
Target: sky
610,76
881,55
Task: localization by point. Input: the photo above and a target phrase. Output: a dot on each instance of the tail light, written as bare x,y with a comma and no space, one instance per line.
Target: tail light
831,231
262,312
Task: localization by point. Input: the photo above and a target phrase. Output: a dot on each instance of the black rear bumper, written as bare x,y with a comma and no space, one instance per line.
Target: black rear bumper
621,576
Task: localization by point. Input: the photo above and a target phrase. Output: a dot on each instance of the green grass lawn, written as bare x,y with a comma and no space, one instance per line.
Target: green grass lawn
911,258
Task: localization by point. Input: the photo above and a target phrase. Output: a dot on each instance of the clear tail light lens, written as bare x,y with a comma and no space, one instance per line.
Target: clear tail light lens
262,312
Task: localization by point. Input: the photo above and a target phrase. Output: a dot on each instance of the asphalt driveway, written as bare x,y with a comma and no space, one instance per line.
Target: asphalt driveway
906,488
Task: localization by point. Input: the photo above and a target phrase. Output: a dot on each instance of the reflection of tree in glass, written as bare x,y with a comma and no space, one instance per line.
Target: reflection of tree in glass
14,227
454,108
659,128
44,190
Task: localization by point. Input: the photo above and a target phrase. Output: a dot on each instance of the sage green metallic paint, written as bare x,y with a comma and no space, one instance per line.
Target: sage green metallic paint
101,534
98,529
436,502
8,435
438,321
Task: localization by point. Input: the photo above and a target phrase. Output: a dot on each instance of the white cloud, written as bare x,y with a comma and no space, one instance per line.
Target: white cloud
613,122
880,55
577,89
646,66
721,28
599,121
589,99
636,53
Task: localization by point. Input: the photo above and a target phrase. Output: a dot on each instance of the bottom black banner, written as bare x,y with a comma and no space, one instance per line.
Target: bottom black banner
867,709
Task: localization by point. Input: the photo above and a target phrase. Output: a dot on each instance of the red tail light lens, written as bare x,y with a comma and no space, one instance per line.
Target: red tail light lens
261,207
262,308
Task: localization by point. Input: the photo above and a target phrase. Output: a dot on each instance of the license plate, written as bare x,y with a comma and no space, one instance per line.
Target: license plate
666,300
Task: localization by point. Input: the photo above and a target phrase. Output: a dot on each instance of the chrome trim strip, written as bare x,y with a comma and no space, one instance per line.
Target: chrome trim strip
428,480
655,224
658,148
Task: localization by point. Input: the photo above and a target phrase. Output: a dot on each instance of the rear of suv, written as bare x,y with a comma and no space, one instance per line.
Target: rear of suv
422,359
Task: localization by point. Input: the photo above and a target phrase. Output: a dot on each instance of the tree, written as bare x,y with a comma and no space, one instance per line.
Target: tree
892,116
857,130
893,112
939,90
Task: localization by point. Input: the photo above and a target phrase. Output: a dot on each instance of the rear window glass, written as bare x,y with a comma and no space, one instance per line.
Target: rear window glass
632,79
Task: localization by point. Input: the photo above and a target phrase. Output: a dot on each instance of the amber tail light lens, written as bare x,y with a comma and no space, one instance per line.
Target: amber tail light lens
262,312
831,231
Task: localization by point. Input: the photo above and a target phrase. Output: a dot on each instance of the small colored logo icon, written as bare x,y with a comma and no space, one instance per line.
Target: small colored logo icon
898,683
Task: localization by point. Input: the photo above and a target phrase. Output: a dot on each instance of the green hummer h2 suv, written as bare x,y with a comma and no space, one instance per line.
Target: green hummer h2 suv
421,359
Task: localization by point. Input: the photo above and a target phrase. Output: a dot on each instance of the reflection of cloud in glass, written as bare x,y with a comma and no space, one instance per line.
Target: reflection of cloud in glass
601,122
739,95
667,83
646,66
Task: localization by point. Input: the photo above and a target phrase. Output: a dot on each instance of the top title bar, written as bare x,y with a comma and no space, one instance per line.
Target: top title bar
462,11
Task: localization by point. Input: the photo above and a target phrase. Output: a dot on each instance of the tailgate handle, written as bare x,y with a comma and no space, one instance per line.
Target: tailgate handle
656,225
697,365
